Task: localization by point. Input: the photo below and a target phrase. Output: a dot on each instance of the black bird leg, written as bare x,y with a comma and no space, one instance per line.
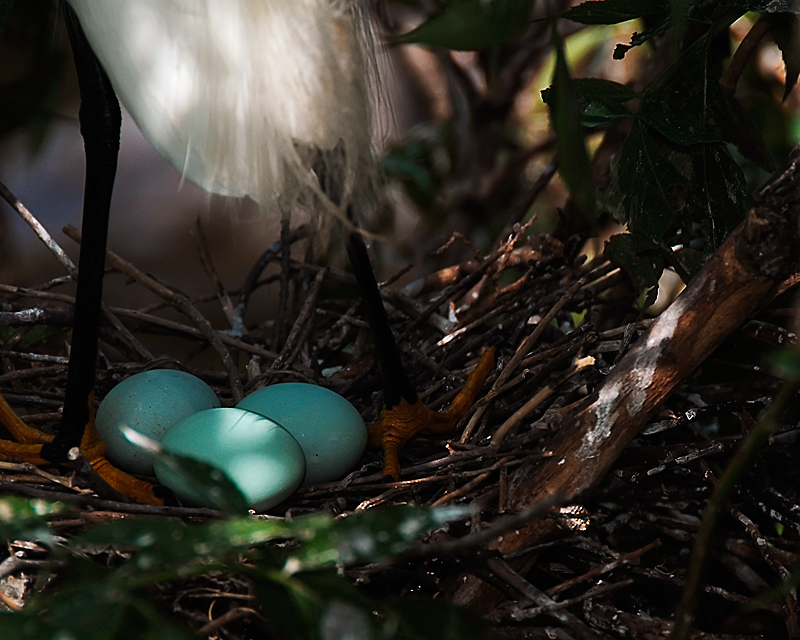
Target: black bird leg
396,385
404,414
101,123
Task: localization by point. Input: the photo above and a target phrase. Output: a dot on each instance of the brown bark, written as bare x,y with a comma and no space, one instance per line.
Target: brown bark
746,271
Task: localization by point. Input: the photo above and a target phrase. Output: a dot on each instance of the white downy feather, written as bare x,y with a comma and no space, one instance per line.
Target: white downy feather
235,93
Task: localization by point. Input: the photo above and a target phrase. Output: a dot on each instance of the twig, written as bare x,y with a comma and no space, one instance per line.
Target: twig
181,302
505,572
598,571
302,325
110,505
520,614
758,436
522,351
210,268
40,231
251,281
479,538
531,405
69,266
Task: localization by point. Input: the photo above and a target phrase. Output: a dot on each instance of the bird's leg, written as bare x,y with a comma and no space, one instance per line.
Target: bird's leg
404,414
398,424
101,122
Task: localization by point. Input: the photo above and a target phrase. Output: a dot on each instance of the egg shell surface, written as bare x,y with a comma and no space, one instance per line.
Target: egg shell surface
150,403
258,455
329,429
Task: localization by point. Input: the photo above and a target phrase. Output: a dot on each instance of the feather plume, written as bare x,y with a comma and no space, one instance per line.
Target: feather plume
256,98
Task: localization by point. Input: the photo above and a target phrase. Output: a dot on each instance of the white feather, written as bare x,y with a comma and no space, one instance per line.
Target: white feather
235,92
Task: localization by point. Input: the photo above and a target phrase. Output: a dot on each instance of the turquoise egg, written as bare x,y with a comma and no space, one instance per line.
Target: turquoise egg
258,455
150,403
329,429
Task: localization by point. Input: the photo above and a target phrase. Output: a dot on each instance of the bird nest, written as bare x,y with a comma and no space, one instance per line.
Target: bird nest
609,562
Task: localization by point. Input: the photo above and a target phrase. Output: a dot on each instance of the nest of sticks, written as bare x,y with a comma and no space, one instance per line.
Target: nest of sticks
612,559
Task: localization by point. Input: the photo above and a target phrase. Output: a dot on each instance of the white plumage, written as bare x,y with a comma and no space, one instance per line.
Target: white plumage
236,93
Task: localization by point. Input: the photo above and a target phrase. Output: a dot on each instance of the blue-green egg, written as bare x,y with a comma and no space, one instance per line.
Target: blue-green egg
258,455
329,429
150,403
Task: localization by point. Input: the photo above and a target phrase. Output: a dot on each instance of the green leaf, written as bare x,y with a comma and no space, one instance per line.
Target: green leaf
565,115
320,604
363,536
638,39
90,611
41,334
472,25
614,11
601,101
26,519
645,189
603,90
718,193
422,162
422,618
577,318
299,600
784,29
295,610
689,261
371,535
643,268
687,76
675,124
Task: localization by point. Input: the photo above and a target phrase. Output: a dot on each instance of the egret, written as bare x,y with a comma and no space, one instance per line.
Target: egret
270,99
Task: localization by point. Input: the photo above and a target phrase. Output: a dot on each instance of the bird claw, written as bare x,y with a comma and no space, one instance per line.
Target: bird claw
398,424
28,443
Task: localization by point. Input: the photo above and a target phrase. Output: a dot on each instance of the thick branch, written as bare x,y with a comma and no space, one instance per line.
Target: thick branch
746,271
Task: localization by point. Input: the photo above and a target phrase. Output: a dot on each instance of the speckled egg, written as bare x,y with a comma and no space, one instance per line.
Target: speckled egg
150,403
258,455
329,429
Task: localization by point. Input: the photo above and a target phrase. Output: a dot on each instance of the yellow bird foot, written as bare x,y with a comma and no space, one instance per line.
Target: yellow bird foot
28,448
398,424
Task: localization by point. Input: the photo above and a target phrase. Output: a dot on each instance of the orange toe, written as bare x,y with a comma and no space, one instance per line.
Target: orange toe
94,450
28,448
396,426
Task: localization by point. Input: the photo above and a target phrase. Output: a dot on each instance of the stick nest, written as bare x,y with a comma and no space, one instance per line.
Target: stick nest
614,566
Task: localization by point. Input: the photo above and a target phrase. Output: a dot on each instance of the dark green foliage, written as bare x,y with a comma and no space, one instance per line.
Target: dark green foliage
472,25
295,585
299,592
679,181
95,610
421,163
615,11
674,176
566,119
646,189
600,101
26,519
643,266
